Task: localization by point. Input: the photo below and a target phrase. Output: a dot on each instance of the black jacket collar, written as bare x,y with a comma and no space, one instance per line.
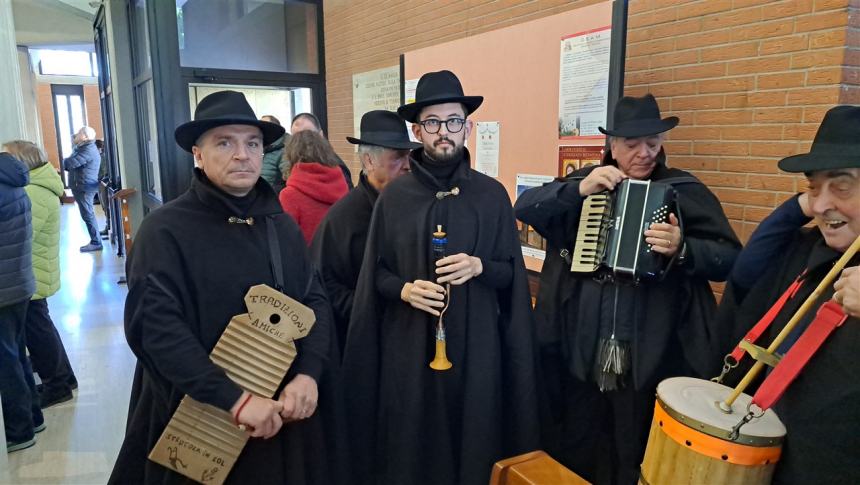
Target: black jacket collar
462,174
261,201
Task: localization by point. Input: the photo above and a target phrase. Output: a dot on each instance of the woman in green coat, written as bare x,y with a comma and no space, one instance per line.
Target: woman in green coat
43,341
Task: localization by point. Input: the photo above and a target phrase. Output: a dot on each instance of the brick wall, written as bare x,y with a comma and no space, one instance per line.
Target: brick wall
750,79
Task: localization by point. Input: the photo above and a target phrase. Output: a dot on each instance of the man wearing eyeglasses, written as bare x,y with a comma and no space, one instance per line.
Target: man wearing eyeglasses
410,423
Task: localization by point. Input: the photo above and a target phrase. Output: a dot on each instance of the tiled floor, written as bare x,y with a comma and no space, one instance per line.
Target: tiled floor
83,436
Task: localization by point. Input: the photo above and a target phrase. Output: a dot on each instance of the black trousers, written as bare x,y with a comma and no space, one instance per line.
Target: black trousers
46,348
21,411
599,435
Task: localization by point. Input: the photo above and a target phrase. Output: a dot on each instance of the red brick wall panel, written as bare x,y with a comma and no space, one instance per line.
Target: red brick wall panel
750,79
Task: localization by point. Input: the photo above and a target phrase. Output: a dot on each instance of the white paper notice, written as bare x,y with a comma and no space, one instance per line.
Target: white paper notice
409,87
583,83
530,241
487,156
379,89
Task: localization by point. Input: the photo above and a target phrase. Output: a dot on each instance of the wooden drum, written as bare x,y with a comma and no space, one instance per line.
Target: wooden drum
689,438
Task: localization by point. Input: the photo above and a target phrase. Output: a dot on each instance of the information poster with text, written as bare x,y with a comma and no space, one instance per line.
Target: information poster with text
583,83
379,89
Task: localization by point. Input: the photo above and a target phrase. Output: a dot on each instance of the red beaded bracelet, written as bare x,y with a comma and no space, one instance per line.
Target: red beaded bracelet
241,406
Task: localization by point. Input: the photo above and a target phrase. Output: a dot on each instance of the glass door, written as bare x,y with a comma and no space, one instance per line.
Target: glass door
69,116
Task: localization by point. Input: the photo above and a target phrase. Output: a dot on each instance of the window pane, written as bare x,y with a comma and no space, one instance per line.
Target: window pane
254,35
140,46
78,120
65,125
264,100
64,63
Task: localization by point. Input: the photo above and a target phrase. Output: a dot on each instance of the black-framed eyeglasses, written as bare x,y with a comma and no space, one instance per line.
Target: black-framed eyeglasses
453,125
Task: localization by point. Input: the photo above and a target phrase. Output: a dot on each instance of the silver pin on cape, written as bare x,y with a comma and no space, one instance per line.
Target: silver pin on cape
441,195
238,220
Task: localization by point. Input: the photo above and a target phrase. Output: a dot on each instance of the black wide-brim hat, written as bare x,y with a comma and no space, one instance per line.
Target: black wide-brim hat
836,145
223,108
636,117
384,129
438,88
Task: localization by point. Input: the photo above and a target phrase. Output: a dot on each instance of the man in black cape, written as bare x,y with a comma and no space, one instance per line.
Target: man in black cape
410,423
655,329
821,408
193,261
338,245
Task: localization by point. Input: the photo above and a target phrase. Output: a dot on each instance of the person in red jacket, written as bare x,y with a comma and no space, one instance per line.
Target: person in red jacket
315,183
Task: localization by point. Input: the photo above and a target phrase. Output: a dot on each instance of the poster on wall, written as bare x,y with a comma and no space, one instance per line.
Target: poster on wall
487,155
532,244
379,89
583,83
409,87
573,157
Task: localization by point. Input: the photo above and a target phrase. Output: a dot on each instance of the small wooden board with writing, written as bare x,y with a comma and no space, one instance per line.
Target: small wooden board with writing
255,351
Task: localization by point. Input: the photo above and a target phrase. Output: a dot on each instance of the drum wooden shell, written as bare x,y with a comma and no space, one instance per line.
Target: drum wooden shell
688,442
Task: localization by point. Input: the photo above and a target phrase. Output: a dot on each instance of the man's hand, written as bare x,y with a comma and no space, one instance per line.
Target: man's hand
601,178
299,398
847,291
665,238
424,295
458,268
259,415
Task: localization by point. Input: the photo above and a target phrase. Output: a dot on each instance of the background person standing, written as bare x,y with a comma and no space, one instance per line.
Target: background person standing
83,167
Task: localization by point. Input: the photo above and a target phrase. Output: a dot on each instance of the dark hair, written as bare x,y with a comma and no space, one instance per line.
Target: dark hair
100,144
310,116
310,147
272,118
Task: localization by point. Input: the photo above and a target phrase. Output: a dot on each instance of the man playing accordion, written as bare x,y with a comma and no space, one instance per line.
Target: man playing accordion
607,342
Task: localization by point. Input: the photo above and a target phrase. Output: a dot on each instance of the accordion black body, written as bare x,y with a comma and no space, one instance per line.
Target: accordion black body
611,240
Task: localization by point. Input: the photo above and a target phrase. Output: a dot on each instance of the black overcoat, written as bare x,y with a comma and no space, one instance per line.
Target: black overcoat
821,408
338,248
188,273
673,332
409,423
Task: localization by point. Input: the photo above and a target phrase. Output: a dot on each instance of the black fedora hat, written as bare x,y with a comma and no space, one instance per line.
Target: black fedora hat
384,129
438,88
223,108
635,117
836,145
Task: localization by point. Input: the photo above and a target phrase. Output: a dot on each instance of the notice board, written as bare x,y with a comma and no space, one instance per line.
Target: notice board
517,70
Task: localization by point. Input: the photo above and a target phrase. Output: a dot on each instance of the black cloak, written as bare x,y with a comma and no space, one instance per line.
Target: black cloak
821,408
338,248
409,423
187,276
673,333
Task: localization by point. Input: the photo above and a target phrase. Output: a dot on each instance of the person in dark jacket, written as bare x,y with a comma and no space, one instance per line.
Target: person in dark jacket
273,159
338,245
83,168
47,353
309,121
22,417
315,182
410,423
193,261
821,407
606,344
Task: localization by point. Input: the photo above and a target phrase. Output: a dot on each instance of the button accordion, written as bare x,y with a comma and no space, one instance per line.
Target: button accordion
611,241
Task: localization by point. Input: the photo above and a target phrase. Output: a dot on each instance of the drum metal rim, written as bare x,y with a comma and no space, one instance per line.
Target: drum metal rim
710,446
716,432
